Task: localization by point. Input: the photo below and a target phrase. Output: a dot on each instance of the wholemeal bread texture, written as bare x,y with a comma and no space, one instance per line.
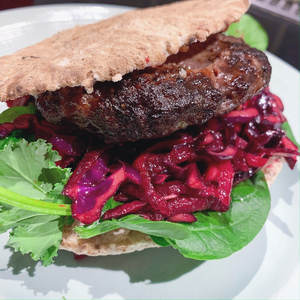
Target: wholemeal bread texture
83,55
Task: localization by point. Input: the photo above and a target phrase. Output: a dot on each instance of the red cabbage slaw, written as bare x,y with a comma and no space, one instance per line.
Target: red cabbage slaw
191,170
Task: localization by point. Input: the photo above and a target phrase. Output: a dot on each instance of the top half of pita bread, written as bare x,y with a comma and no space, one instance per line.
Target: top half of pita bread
111,48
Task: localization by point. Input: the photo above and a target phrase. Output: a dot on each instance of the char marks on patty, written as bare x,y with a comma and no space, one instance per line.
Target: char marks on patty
202,81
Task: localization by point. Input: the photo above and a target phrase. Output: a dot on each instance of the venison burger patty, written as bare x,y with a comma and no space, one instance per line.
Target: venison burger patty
202,81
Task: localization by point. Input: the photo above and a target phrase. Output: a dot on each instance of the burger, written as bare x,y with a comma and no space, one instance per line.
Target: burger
148,129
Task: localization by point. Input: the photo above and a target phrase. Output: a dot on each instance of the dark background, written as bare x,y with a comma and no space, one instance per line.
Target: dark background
284,36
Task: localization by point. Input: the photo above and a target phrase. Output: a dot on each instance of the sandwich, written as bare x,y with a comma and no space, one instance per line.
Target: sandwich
148,129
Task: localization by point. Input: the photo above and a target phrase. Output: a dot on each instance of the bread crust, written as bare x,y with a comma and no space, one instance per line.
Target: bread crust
122,240
114,242
111,48
272,168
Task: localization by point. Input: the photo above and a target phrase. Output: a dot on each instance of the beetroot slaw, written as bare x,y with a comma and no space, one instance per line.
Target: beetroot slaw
169,179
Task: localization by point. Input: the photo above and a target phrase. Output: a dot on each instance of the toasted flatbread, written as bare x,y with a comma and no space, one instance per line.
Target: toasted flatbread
107,50
125,241
114,242
114,47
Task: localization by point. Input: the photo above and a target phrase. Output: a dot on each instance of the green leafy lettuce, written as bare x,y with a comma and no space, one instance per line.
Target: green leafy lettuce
34,233
30,179
251,31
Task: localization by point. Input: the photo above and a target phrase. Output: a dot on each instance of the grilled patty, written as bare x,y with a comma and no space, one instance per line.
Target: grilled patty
201,81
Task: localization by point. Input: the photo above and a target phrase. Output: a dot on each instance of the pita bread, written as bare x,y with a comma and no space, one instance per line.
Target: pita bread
108,50
272,168
125,241
118,241
114,47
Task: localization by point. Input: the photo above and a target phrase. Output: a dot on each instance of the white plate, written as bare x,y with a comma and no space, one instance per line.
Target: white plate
268,268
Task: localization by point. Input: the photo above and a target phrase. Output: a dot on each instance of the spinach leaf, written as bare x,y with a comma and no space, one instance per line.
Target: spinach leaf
13,112
217,235
137,223
288,131
110,204
250,31
159,241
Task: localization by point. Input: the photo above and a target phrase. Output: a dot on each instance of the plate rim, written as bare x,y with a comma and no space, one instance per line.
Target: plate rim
51,6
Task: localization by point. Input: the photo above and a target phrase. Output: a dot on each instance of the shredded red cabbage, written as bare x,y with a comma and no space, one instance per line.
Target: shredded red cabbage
69,146
192,170
23,101
169,179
